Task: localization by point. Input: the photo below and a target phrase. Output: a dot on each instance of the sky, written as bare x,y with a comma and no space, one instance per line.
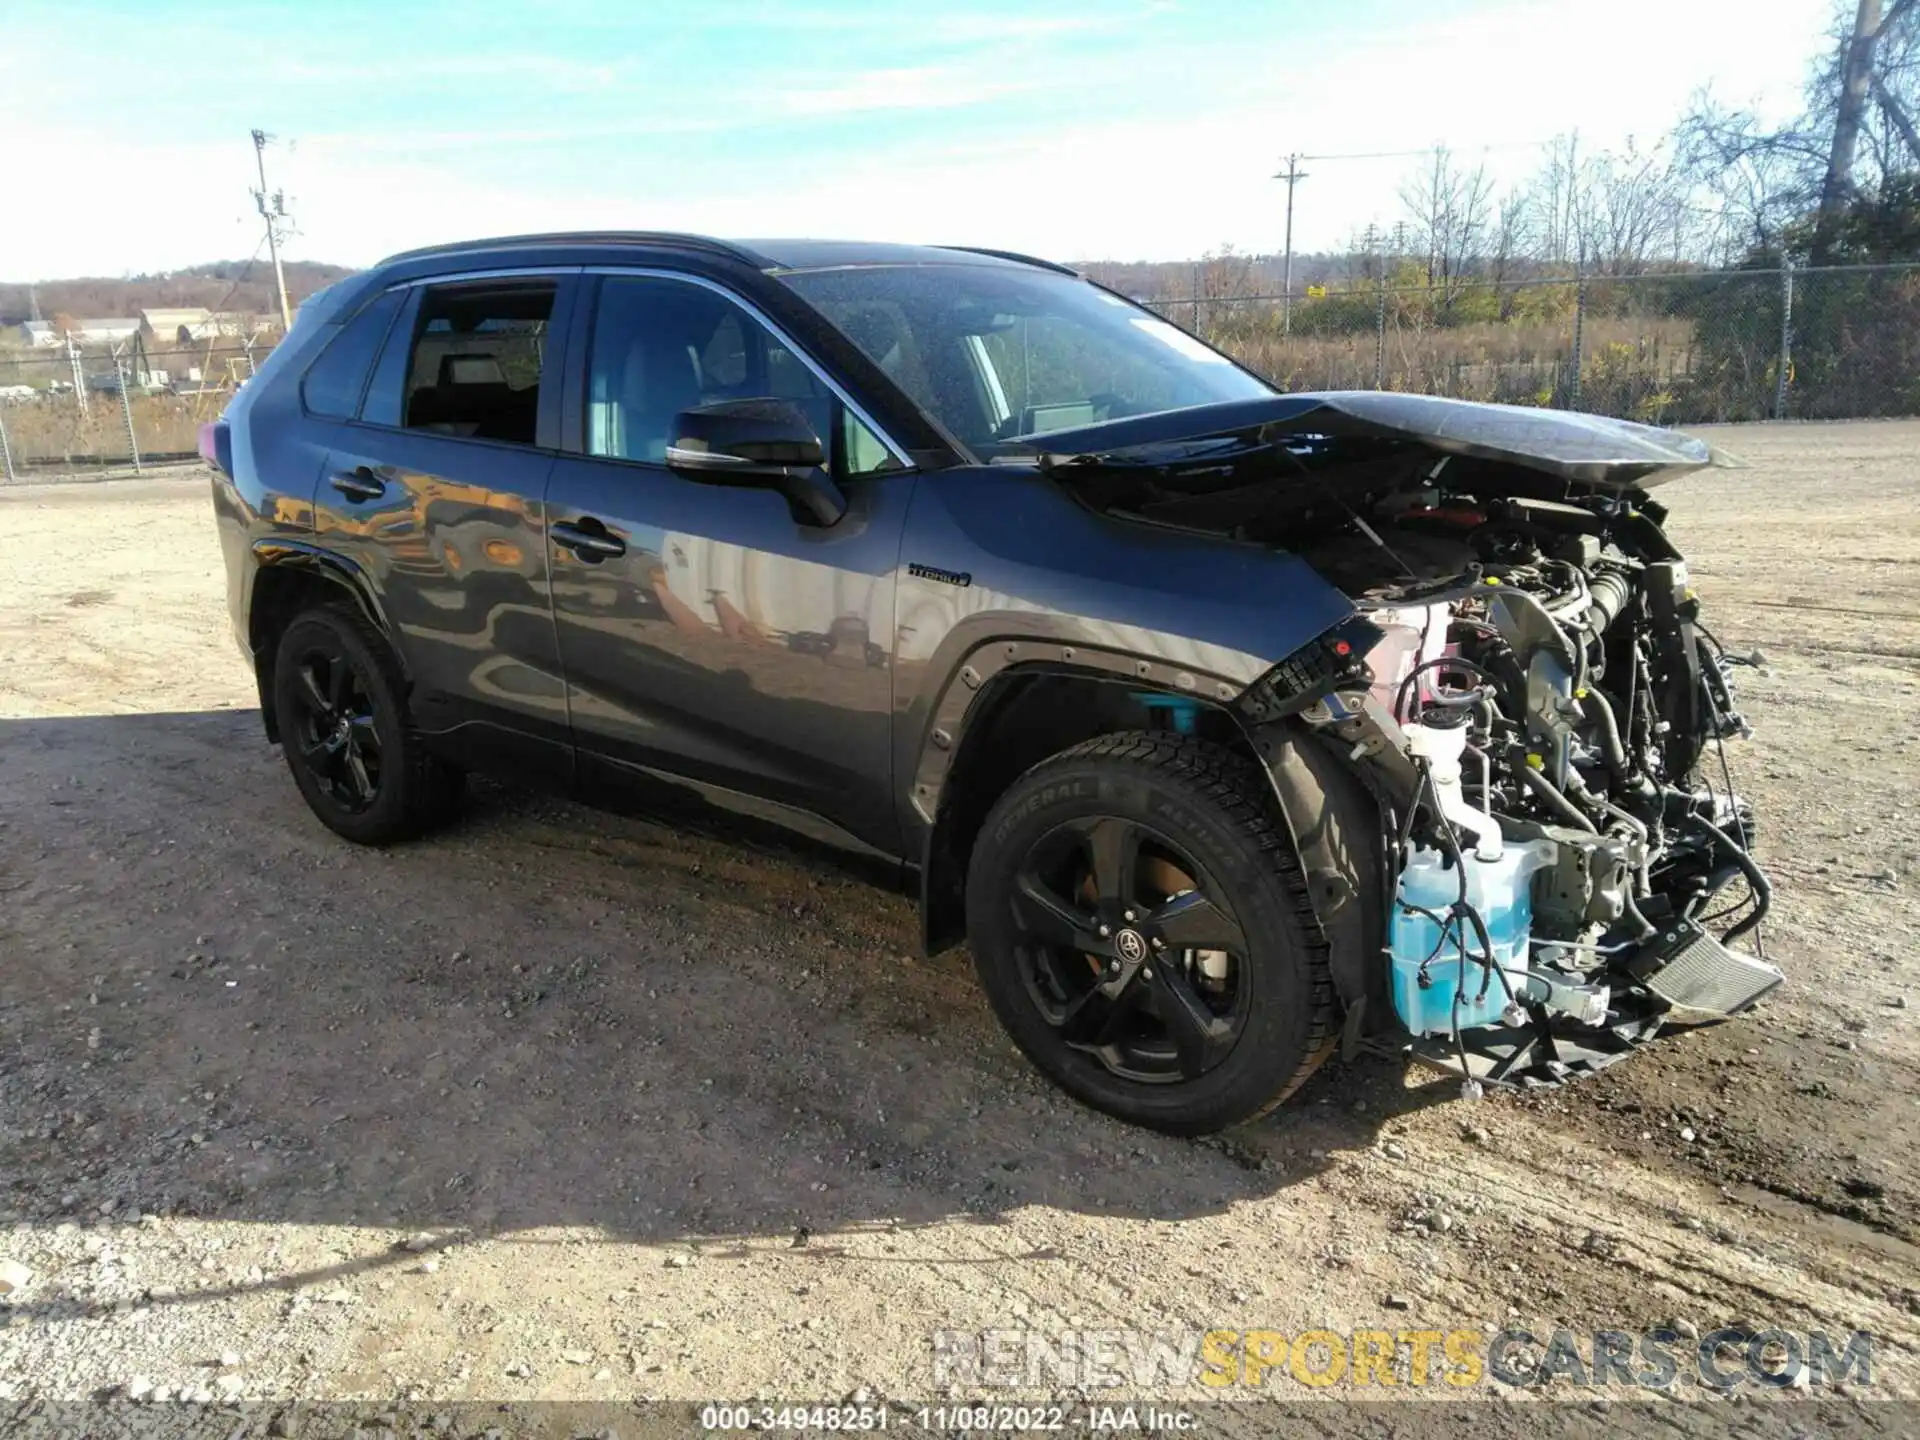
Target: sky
1074,129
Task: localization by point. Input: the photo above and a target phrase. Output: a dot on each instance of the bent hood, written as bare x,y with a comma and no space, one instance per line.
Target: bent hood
1589,449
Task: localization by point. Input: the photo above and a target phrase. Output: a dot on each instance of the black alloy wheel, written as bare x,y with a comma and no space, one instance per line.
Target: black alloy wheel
1143,928
1128,951
332,730
340,707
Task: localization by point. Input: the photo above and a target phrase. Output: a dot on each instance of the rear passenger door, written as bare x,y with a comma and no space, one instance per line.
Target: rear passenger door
434,490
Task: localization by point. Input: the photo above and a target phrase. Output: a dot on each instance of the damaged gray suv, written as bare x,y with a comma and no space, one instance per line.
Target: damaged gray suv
1229,728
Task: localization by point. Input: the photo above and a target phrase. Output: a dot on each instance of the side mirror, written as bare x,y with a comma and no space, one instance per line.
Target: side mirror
764,442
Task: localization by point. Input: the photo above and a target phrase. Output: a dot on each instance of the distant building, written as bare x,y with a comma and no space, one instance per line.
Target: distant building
221,325
180,326
107,330
39,334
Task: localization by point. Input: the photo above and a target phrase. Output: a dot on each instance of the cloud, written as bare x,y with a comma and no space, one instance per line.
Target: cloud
419,70
1145,151
925,87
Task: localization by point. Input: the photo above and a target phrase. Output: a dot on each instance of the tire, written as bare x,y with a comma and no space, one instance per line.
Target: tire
347,737
1221,915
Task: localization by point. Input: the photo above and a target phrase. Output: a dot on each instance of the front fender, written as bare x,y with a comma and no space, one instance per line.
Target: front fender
1001,567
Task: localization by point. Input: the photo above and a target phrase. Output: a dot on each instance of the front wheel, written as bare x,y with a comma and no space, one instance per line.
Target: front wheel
1141,925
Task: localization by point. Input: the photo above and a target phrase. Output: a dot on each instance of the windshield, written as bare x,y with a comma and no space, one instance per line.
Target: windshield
997,353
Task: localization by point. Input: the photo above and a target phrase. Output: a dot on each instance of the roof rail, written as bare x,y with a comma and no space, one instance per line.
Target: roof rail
582,237
1016,257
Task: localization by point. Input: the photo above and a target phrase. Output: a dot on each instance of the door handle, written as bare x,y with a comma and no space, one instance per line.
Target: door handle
587,538
360,484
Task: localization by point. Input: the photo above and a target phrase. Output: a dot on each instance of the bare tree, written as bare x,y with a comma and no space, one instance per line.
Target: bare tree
1756,181
1560,190
1855,134
1635,205
1513,236
1225,276
1450,208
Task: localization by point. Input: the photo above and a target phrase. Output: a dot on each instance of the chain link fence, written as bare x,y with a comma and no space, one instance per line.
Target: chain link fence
102,409
1669,349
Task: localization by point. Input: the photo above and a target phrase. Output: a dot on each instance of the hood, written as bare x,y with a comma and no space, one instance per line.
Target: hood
1589,449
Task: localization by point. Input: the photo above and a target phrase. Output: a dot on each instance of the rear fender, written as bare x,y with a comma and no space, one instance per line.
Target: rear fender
290,576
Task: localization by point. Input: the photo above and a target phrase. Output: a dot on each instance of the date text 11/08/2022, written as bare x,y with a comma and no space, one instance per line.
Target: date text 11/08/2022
970,1419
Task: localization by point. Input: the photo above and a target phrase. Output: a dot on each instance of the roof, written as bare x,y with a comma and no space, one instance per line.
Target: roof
835,254
761,254
176,315
576,239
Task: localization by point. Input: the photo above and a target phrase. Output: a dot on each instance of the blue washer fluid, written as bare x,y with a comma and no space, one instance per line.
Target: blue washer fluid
1180,710
1501,891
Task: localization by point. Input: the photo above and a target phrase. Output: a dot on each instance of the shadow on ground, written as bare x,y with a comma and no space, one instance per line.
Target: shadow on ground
547,1016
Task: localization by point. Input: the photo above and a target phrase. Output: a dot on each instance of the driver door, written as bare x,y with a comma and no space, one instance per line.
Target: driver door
706,633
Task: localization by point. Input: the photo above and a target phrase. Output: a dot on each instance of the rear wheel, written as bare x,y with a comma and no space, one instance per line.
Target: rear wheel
1139,922
344,730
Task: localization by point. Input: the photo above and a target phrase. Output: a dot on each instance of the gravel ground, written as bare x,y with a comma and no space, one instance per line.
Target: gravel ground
566,1106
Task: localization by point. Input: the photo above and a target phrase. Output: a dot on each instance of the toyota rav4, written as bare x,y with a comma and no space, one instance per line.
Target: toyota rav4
1228,727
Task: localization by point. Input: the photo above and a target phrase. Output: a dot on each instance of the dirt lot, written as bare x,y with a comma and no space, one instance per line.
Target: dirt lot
683,1119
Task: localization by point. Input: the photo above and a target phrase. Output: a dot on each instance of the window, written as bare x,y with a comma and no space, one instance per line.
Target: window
478,353
333,383
662,346
999,354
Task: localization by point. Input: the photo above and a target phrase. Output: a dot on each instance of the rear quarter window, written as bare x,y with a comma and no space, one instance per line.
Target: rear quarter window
336,380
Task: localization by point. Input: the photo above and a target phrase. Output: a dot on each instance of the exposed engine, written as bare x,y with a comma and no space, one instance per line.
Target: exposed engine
1570,847
1528,692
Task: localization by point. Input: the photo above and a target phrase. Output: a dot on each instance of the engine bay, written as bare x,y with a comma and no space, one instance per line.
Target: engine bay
1575,830
1542,716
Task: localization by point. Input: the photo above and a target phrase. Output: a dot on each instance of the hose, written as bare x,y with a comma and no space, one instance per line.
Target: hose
1596,706
1440,662
1464,909
1632,909
1756,878
1628,819
1610,595
1550,793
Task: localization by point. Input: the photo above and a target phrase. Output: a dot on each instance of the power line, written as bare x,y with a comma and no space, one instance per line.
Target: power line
245,271
1428,150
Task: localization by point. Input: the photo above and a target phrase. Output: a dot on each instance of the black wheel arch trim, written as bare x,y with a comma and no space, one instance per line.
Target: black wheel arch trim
1292,759
936,743
281,554
943,733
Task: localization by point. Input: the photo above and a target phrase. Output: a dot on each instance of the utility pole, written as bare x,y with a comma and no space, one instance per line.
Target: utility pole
1378,263
1293,175
79,374
273,210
